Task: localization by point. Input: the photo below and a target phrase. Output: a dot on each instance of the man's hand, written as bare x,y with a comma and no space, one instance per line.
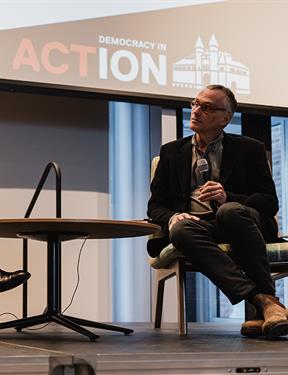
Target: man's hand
212,191
181,216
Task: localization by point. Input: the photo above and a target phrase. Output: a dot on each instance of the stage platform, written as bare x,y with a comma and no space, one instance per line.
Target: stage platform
210,349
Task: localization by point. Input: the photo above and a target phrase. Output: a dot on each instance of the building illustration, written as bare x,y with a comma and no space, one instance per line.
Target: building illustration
211,66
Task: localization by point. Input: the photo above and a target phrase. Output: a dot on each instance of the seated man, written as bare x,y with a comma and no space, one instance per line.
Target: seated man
10,280
235,204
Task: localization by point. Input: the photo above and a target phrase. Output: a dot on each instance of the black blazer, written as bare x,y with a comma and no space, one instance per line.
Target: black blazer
244,173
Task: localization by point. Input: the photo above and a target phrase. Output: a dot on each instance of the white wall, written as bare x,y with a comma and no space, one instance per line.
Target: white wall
34,130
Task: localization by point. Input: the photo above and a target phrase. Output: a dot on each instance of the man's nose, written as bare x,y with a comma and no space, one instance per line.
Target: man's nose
196,109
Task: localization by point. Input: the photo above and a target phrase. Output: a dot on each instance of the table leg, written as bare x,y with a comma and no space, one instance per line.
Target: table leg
53,309
64,321
19,324
90,323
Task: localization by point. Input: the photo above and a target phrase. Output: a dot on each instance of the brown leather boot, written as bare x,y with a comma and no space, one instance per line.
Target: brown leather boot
252,328
275,315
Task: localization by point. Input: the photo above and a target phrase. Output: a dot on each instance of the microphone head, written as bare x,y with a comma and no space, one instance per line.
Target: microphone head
202,165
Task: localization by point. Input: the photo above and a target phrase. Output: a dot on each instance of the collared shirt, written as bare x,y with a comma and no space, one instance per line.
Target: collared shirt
213,155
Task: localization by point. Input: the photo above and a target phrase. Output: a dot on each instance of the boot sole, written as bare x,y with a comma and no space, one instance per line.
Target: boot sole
276,330
257,332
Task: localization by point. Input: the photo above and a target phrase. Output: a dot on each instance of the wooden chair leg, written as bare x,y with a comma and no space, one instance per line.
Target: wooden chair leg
159,303
180,279
177,269
249,311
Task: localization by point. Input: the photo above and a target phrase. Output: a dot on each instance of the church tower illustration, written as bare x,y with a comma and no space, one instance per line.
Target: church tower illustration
211,66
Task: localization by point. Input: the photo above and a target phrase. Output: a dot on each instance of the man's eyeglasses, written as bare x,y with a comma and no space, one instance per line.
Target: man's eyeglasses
205,107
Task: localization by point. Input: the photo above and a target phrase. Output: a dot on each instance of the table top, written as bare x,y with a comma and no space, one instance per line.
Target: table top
75,228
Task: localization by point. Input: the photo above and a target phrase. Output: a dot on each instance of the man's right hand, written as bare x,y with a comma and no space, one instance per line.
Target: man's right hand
181,216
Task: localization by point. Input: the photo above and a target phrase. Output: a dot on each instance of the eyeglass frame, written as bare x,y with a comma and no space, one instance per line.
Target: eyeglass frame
209,108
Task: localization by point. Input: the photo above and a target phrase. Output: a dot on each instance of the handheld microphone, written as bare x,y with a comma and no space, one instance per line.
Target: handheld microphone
203,168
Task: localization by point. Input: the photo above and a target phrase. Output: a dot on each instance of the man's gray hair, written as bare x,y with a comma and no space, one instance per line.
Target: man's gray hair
228,93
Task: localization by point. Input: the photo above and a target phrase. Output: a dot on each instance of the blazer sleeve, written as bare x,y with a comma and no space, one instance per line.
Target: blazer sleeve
160,200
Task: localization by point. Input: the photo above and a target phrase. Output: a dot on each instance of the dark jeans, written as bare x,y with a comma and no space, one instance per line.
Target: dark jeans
241,275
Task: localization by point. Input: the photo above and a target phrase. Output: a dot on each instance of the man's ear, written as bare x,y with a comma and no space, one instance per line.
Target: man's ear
227,119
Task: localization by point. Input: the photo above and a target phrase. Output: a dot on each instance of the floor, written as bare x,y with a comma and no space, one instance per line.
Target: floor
212,348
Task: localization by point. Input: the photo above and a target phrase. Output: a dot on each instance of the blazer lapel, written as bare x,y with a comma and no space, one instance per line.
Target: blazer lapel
184,164
227,163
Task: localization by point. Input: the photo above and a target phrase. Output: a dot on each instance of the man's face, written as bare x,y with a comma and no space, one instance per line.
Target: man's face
213,116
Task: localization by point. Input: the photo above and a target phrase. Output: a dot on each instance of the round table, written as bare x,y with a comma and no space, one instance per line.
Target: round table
54,231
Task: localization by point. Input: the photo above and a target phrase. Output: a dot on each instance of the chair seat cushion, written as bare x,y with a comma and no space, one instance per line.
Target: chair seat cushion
277,252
